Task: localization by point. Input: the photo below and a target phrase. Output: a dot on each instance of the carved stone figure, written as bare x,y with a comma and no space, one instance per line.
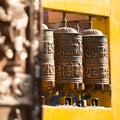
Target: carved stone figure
18,31
5,80
13,23
19,23
17,91
5,19
22,88
14,88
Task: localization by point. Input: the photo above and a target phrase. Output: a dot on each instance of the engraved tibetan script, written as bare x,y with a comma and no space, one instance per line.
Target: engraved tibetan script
68,70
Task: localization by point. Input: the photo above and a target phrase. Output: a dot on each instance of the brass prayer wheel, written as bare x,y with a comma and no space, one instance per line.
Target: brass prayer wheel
95,57
68,55
47,73
47,65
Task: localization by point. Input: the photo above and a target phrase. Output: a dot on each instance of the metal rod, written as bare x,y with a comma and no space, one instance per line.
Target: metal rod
90,22
77,26
64,20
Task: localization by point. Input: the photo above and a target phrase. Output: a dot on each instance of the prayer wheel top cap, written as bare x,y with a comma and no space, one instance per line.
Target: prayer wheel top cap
92,32
44,27
65,30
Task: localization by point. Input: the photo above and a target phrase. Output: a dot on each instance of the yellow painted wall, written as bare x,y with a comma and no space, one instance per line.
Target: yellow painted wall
106,8
115,56
98,7
73,113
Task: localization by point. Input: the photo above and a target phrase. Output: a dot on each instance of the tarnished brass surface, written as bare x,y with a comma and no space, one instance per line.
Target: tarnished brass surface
95,59
68,56
47,73
47,66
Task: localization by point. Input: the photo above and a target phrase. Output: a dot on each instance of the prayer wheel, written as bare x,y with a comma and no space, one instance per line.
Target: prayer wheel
68,55
47,70
95,57
47,65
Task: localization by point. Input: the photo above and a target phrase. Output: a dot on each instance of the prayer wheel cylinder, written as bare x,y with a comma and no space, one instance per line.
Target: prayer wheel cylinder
48,66
47,73
95,57
68,55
